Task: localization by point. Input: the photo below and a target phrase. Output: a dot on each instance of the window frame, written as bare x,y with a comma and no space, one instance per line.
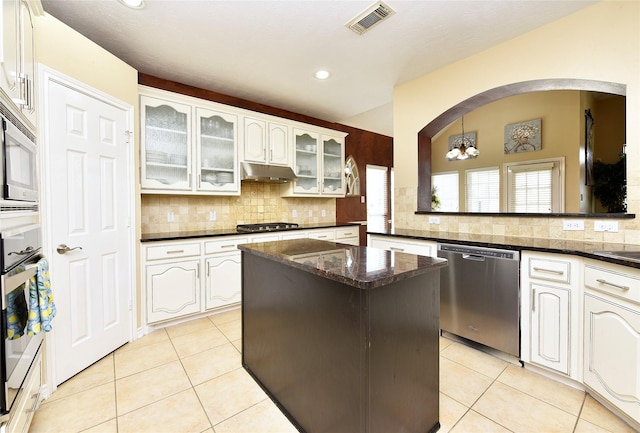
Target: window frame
557,181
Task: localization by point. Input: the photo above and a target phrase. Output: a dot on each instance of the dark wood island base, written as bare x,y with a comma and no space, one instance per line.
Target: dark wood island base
343,338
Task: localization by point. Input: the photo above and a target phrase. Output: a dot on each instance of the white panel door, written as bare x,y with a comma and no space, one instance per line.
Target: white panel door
88,186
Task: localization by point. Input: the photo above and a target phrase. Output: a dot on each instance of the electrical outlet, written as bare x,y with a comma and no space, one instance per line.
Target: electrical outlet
573,225
324,213
212,215
605,226
434,220
310,213
362,199
294,213
169,217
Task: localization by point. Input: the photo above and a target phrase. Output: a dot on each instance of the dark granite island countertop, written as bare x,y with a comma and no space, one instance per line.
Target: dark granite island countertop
343,338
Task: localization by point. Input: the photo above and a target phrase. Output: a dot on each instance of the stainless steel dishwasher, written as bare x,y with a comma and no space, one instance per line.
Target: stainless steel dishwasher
480,295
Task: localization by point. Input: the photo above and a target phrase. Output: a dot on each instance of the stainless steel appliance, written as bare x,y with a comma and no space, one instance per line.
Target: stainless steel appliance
480,295
18,166
19,253
264,227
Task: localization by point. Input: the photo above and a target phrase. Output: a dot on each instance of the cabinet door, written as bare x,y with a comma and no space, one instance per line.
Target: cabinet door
550,327
217,161
278,150
333,180
255,140
27,63
307,162
224,280
10,58
612,352
173,290
165,145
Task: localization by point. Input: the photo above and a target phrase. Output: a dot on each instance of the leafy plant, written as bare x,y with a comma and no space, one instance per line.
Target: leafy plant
435,201
610,185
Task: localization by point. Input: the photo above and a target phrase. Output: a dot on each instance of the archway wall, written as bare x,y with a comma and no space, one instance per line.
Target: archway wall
600,43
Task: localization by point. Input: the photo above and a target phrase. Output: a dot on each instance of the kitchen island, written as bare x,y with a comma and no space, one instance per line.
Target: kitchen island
343,338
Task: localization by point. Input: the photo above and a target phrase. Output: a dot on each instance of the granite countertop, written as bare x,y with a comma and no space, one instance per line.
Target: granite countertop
361,267
588,249
172,236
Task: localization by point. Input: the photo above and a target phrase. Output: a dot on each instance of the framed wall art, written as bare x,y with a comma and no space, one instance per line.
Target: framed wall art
458,140
523,136
588,147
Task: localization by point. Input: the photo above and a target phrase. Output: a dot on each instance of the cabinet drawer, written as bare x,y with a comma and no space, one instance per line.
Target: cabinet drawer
618,284
160,252
222,245
348,232
328,235
550,270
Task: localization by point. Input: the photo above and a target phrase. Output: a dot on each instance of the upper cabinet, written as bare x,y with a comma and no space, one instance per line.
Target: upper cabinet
176,159
319,164
17,60
193,146
266,142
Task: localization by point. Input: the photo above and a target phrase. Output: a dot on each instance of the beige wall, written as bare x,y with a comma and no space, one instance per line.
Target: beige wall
601,42
559,112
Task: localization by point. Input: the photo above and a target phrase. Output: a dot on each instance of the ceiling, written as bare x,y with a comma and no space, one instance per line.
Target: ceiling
267,51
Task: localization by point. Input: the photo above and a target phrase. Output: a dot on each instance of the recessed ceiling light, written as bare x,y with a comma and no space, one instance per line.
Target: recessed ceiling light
322,74
133,4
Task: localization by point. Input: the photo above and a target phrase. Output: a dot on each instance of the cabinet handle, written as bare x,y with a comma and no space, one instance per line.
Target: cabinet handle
617,286
175,252
551,271
227,246
533,300
322,236
396,249
198,271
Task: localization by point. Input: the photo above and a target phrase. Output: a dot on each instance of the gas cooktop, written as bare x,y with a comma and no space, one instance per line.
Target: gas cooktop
265,227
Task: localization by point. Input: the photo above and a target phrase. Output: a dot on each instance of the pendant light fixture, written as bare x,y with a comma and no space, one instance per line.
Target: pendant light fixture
464,147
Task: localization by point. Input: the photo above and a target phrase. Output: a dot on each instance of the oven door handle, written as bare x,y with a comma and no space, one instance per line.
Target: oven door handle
12,282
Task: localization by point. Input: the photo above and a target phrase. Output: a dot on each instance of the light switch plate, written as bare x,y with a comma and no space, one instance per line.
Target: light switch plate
169,217
434,220
574,225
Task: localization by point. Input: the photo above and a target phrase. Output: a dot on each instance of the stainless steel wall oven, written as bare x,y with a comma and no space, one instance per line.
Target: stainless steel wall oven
20,250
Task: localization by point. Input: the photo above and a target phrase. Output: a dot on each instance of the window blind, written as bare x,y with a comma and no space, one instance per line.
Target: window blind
483,190
531,188
377,198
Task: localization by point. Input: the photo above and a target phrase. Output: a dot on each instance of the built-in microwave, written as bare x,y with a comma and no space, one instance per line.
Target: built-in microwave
18,169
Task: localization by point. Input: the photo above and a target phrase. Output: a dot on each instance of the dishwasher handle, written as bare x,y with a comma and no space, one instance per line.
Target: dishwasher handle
473,257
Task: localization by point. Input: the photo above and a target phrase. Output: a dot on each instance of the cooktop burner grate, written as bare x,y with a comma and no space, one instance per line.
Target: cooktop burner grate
265,227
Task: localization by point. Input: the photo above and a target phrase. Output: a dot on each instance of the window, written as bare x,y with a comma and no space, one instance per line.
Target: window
377,198
483,190
447,191
535,186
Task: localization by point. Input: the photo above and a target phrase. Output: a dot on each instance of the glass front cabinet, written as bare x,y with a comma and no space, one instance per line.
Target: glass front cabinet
165,145
188,149
319,164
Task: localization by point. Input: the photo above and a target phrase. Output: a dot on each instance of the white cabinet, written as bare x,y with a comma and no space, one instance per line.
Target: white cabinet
319,164
173,290
404,245
217,161
172,280
17,59
187,148
29,401
183,278
550,319
266,141
612,335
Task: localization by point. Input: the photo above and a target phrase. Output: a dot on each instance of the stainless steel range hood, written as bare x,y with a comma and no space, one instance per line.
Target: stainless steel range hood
267,173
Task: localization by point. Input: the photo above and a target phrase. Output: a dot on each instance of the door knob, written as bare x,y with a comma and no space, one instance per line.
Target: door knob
64,249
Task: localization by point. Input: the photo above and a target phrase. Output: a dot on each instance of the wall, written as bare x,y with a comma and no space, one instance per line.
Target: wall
608,50
559,112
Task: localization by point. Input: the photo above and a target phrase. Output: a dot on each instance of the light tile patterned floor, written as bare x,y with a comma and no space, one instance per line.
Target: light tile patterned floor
188,378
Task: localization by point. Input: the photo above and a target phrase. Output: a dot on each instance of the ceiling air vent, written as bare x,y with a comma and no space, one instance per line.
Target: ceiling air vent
375,14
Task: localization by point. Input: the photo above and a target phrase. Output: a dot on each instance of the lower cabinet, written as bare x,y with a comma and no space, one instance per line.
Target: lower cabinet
22,413
612,335
224,280
173,290
550,312
404,245
182,278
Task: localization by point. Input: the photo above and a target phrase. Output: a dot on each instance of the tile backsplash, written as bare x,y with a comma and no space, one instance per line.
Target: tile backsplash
534,227
259,202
